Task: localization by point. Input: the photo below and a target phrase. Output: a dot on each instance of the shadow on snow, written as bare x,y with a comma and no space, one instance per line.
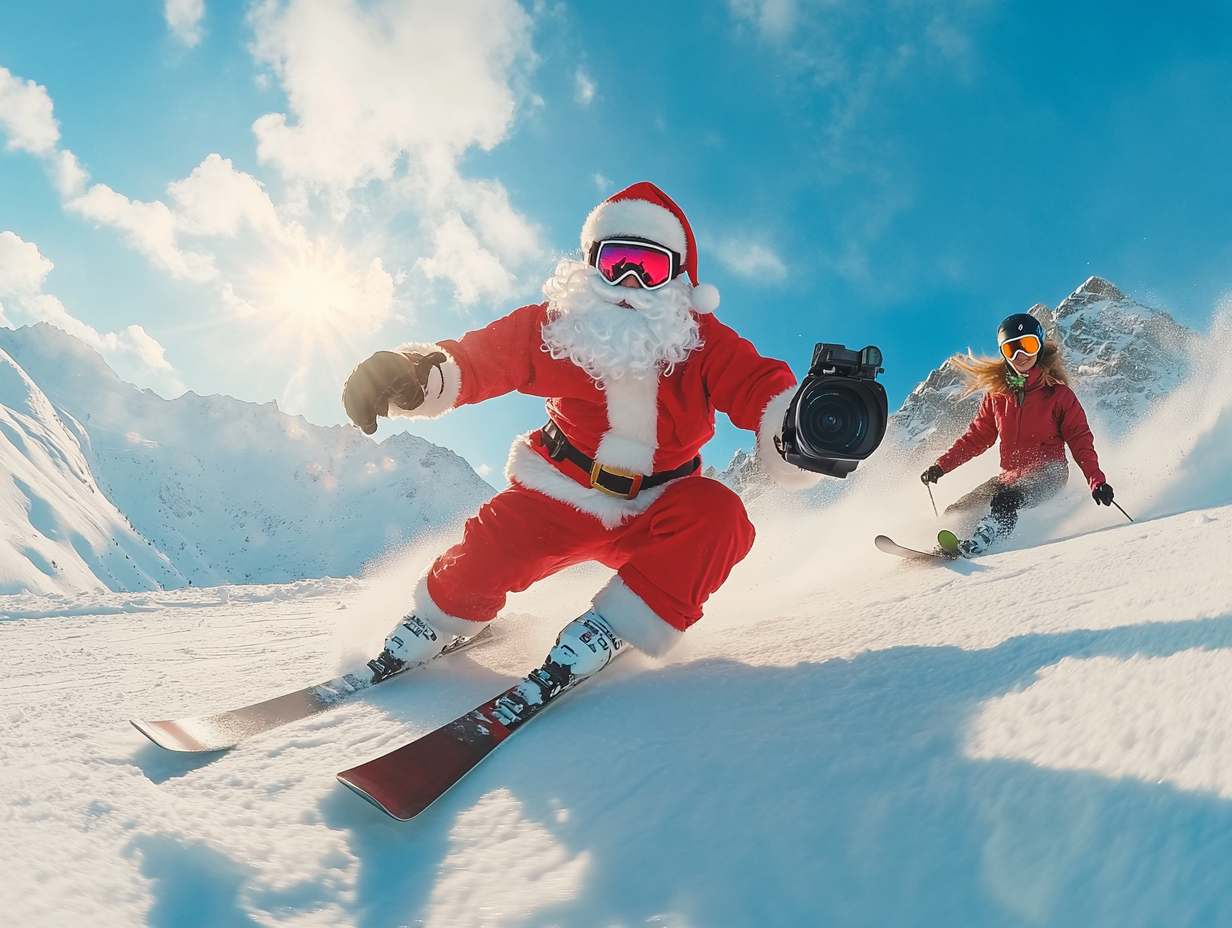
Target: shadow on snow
834,793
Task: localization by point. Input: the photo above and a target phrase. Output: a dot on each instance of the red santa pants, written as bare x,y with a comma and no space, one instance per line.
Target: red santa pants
673,556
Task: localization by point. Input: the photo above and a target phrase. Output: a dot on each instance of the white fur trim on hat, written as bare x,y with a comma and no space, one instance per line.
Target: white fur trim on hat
635,622
442,390
528,468
768,457
639,218
705,298
438,618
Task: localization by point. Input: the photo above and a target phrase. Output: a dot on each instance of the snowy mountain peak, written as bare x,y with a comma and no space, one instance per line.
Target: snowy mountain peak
61,534
1093,290
1122,356
233,491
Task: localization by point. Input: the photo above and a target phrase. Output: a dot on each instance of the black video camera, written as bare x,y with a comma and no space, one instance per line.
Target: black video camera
838,416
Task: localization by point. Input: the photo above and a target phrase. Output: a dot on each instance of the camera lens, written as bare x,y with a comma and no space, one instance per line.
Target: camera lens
832,418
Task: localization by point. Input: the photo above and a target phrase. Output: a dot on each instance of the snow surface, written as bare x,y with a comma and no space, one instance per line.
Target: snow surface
1038,737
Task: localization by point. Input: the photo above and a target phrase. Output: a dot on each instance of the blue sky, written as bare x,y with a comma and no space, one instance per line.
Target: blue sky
249,198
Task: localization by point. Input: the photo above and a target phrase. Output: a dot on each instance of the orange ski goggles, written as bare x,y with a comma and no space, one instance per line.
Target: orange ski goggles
1028,344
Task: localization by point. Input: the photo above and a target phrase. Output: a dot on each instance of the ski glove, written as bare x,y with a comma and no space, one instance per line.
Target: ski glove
1102,494
932,475
388,377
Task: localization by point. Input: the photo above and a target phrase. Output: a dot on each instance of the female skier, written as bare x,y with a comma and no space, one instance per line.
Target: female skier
1028,403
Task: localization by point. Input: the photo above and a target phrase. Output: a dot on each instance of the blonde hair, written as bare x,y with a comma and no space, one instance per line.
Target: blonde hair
988,374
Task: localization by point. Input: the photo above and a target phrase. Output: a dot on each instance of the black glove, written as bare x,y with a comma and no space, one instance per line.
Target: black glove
932,475
388,377
1102,494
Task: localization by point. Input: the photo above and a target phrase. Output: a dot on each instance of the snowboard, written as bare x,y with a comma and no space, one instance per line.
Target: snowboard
889,546
224,730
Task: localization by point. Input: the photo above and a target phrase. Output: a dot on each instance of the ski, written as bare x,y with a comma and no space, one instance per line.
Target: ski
889,546
227,729
408,779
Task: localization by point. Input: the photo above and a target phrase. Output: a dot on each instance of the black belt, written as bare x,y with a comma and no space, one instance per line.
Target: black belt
608,479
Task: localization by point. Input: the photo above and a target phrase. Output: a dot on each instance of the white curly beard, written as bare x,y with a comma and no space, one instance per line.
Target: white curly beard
586,324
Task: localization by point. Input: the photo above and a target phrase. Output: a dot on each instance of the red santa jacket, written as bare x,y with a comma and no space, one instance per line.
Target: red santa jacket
641,426
1032,434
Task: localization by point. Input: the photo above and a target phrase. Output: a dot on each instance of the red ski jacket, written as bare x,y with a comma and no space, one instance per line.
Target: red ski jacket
1032,435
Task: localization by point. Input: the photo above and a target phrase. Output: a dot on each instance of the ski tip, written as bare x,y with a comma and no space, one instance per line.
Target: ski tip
172,736
363,794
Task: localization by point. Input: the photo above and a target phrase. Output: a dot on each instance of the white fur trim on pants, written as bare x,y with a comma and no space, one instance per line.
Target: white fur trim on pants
437,617
768,457
442,390
631,619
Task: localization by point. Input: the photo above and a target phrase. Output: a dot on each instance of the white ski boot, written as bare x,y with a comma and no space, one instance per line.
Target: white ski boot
583,648
987,530
413,641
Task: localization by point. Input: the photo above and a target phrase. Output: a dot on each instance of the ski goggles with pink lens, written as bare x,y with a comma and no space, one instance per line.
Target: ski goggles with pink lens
653,265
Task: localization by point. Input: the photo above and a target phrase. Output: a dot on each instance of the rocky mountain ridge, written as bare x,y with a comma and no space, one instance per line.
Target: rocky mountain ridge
1122,356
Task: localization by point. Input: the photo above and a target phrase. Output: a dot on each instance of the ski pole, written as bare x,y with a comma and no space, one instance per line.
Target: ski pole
1123,512
937,515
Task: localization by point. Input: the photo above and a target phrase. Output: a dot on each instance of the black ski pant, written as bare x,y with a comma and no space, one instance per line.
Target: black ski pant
1005,497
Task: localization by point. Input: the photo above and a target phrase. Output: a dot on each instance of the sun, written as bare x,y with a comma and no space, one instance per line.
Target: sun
316,289
308,305
318,294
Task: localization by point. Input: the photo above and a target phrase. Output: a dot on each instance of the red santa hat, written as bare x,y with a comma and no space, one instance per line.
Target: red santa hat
645,211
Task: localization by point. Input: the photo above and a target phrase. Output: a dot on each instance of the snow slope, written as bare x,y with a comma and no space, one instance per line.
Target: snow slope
60,533
240,492
1039,737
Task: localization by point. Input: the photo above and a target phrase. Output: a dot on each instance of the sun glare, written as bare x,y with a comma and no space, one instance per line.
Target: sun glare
313,293
313,303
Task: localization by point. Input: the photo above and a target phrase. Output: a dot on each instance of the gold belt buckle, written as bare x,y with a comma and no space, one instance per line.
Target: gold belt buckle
596,469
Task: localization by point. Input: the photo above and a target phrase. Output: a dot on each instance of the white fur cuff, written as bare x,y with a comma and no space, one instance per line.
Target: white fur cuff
442,390
768,457
437,617
634,621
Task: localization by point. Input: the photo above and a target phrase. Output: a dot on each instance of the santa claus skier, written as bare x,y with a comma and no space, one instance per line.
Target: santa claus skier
633,367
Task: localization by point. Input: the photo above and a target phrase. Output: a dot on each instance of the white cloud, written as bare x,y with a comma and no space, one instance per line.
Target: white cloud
584,88
369,85
263,267
23,271
149,227
775,18
184,19
68,175
216,200
750,260
22,266
26,115
395,93
459,257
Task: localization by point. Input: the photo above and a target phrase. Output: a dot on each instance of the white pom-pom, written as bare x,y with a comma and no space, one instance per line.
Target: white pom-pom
705,298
